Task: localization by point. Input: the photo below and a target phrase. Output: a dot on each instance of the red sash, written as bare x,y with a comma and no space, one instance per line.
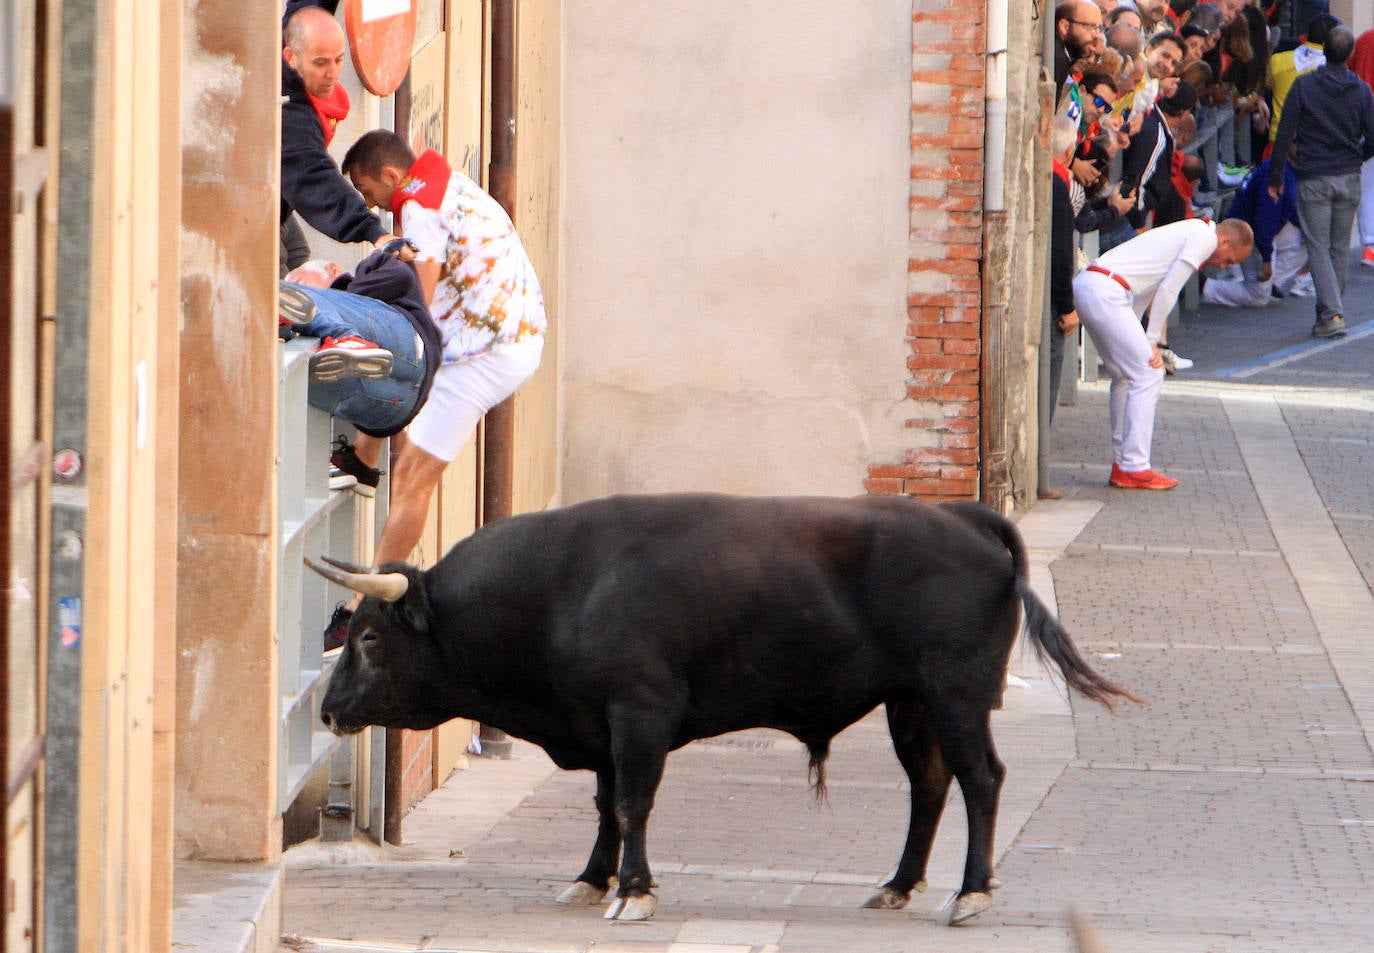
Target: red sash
331,111
426,183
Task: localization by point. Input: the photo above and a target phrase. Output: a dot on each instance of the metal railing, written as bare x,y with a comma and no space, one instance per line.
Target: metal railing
313,521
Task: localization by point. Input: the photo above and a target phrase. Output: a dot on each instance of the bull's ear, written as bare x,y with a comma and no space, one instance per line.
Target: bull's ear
414,605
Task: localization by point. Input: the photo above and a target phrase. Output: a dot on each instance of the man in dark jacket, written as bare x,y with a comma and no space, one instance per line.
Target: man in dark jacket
1064,316
313,48
1148,160
1329,116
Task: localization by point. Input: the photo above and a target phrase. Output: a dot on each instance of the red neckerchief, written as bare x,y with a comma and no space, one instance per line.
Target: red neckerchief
425,182
331,111
1181,184
1061,170
1173,18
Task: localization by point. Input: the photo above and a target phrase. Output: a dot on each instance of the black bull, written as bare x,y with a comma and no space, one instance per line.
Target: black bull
612,632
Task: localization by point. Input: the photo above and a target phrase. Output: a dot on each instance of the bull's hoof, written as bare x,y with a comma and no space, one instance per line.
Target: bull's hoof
632,908
887,899
994,883
968,906
582,894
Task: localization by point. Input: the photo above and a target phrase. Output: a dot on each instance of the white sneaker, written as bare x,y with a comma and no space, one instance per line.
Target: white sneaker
1302,287
1232,175
1172,362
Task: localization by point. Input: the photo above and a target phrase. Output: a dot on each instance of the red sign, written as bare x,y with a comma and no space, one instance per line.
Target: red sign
381,34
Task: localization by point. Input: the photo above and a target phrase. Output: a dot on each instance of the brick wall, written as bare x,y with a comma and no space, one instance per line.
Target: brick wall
944,298
417,767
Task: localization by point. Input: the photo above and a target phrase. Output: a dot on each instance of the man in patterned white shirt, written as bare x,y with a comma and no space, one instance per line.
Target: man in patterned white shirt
483,294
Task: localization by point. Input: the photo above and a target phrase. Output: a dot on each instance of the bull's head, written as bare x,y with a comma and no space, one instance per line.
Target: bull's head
390,671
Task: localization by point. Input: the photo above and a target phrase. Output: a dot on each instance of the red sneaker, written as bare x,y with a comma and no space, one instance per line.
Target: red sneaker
352,356
1367,258
1141,480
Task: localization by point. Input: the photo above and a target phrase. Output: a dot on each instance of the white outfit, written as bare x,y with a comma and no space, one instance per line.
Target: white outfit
1145,274
1290,255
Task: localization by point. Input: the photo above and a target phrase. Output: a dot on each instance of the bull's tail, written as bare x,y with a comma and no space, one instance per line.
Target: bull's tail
1050,639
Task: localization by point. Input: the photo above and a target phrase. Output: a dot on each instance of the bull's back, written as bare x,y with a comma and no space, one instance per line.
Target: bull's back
792,612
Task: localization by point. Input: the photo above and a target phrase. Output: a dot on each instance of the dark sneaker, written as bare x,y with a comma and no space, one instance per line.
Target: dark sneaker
1332,327
345,463
294,307
352,356
336,632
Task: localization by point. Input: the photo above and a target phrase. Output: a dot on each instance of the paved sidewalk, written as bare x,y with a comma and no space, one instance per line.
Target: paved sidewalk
1234,812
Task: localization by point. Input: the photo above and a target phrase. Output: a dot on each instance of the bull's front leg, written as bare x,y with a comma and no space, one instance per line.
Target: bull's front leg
639,751
599,874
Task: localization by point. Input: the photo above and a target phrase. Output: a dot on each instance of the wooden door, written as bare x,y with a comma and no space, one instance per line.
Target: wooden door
24,167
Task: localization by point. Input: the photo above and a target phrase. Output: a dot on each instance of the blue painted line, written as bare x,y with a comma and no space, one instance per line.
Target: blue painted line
1288,354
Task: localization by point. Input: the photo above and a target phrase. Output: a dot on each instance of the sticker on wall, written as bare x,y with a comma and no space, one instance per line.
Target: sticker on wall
66,464
69,621
377,9
381,34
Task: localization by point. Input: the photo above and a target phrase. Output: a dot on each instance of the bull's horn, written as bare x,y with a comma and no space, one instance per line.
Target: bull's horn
388,586
346,567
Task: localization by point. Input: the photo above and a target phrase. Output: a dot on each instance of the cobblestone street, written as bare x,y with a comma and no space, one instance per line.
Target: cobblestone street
1233,812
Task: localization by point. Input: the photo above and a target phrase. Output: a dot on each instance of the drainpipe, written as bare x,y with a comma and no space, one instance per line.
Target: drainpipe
1048,40
996,482
498,431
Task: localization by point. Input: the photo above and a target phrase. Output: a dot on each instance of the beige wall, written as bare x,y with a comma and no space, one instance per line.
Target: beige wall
735,244
124,880
226,712
1356,14
538,126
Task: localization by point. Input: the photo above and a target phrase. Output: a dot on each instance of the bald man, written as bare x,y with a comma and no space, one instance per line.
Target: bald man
1078,25
313,48
1141,279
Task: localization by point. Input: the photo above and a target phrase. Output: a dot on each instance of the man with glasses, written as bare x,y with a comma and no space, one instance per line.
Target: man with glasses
1099,99
1078,25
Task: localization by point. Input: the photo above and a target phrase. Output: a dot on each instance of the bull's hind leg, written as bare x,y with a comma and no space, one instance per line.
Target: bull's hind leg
639,747
599,874
966,741
913,739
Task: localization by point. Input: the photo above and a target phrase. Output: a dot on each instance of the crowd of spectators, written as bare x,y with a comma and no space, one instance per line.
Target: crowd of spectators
1169,112
1185,99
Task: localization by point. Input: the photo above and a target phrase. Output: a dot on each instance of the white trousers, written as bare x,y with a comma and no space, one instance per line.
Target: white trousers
1104,308
1290,257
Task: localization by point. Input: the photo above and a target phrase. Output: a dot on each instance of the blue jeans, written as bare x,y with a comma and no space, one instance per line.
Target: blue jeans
372,404
1326,213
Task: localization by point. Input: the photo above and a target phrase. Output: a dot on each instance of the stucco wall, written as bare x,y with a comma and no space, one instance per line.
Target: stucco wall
735,244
